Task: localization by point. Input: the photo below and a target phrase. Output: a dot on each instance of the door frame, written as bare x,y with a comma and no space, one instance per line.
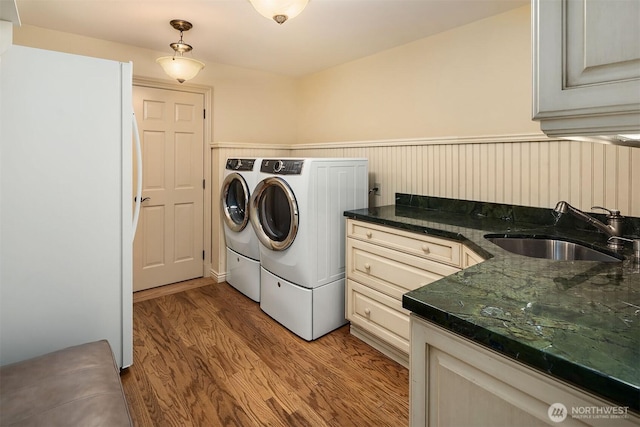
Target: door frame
207,92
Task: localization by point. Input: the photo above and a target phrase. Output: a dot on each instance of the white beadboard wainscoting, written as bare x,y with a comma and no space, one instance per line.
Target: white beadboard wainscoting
519,172
528,170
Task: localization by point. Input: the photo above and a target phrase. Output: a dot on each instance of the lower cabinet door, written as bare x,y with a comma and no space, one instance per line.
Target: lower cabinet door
378,314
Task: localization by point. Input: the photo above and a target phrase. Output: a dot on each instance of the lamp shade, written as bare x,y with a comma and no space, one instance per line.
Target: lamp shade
180,68
276,9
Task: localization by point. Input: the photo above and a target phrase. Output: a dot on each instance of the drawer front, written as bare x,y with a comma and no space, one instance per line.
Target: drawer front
391,272
378,314
441,250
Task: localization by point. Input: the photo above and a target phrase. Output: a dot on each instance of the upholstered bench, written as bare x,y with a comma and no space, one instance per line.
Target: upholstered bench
77,386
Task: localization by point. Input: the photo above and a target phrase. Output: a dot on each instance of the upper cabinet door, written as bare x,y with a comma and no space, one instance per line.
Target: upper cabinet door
586,66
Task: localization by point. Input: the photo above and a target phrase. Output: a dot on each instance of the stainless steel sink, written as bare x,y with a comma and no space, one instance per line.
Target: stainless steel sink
550,248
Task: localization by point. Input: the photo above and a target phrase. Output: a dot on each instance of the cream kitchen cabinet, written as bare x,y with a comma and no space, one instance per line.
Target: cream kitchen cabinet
586,67
383,263
469,257
456,382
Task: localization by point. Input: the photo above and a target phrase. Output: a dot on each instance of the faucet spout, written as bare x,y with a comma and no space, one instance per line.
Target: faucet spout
611,229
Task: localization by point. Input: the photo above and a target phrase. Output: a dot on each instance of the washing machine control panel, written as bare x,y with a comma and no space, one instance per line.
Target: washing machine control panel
282,167
240,164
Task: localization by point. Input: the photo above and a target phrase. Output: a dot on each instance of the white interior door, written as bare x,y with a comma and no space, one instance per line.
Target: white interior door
169,242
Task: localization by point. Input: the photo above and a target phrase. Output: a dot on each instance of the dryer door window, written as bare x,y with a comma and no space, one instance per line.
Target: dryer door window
235,202
274,213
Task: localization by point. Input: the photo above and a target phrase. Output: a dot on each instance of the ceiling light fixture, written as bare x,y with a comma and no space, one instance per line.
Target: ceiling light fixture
279,10
178,66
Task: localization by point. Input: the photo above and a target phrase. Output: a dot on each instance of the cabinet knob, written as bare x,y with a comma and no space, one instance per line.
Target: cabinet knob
367,312
369,234
367,266
425,248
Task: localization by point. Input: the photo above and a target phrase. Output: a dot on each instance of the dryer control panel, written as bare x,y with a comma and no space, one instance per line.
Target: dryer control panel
240,164
282,167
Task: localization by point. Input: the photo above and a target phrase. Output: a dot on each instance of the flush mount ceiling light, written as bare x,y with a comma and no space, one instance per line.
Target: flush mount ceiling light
279,10
179,66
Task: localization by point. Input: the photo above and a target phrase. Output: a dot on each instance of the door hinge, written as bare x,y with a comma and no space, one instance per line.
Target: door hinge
204,114
203,184
203,255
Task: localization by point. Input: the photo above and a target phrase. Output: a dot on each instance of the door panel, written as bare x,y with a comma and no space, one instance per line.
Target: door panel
154,160
184,226
169,243
184,179
153,250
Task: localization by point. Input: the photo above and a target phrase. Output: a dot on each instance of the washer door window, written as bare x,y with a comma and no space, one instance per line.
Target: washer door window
274,213
235,202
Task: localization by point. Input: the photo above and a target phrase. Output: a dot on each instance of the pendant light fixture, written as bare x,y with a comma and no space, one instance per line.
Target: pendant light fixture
279,10
179,66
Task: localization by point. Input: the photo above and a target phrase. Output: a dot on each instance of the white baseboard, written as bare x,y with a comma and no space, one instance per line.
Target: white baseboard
218,277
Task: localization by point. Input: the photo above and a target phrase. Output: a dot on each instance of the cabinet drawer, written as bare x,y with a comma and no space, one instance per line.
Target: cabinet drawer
391,272
441,250
378,314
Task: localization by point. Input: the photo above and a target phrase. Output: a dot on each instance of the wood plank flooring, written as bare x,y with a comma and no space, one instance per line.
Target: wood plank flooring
208,356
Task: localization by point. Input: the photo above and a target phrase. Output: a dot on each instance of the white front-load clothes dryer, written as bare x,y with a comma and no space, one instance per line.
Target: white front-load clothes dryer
243,248
297,211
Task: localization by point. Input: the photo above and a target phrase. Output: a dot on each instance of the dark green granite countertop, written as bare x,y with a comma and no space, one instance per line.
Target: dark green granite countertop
577,321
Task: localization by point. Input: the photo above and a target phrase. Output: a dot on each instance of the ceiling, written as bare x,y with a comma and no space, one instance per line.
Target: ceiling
327,33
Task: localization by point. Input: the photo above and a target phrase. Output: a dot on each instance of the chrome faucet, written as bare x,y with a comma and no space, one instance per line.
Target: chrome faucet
636,246
611,229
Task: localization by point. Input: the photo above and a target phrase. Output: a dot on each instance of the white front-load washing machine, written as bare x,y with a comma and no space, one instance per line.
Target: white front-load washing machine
243,248
297,212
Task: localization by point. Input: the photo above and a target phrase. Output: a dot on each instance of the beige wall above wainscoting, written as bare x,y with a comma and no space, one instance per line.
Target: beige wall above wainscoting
472,80
248,105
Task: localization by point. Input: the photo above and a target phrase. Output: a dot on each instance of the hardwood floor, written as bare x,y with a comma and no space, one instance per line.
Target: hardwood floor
208,356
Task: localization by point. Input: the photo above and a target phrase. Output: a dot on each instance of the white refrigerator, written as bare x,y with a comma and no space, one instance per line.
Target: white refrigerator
65,203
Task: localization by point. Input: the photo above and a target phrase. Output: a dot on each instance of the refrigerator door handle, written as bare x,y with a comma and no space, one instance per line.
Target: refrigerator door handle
138,199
